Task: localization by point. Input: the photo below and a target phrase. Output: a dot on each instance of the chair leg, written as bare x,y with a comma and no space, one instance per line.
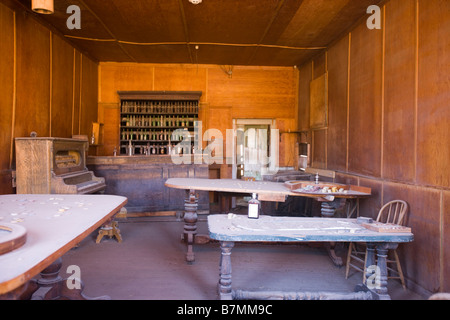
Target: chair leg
399,269
349,255
365,268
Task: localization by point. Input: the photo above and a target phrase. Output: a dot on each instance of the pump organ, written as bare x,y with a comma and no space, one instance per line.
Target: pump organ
54,165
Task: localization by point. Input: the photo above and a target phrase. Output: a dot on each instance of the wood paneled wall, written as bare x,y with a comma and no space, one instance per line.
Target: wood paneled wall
388,126
46,86
251,92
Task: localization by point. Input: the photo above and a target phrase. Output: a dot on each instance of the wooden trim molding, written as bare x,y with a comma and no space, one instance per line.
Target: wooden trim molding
160,95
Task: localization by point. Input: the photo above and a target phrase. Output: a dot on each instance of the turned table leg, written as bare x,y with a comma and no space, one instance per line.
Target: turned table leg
225,291
382,251
190,224
370,275
376,269
59,288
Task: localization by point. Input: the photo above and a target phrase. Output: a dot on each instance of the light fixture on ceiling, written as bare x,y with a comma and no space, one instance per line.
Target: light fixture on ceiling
195,1
42,6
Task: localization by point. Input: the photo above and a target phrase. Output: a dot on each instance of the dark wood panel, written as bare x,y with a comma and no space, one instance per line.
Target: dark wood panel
89,94
6,83
305,76
424,220
370,206
319,155
337,105
319,65
433,132
6,182
111,117
62,88
344,178
33,77
364,155
399,92
76,93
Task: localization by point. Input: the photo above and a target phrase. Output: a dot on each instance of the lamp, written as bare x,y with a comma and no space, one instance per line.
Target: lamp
195,1
42,6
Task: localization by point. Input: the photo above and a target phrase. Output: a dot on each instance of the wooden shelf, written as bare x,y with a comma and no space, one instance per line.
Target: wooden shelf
148,114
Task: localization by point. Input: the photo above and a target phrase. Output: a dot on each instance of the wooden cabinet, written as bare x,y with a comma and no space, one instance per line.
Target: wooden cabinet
154,122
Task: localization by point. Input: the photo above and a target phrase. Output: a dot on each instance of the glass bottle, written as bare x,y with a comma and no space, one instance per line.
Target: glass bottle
253,207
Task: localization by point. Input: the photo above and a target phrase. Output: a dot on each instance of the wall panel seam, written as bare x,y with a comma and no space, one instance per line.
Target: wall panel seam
14,93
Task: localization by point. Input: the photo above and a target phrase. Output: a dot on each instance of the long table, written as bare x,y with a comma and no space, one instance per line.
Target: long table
53,224
231,228
266,190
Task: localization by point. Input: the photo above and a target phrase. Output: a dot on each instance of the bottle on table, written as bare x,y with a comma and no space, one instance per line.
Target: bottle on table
253,207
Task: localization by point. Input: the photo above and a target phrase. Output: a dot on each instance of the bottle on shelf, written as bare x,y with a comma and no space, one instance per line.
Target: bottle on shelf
130,149
146,126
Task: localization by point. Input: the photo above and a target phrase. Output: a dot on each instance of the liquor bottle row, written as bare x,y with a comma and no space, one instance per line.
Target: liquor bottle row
157,149
162,107
158,121
154,135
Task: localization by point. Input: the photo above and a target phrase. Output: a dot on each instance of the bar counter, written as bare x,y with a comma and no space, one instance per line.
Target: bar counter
141,179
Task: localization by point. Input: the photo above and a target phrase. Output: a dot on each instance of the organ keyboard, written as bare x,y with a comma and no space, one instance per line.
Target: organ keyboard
54,165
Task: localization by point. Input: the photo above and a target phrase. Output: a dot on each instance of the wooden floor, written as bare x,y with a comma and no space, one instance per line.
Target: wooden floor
150,265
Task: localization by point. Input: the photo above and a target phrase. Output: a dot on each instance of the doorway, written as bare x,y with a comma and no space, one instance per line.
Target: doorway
255,148
255,151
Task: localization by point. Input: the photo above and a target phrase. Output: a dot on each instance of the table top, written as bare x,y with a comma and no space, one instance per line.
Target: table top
234,227
54,224
266,190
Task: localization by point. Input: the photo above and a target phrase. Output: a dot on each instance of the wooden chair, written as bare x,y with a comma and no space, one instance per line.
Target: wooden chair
392,212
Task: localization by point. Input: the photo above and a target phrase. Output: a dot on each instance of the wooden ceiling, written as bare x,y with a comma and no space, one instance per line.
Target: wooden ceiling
226,32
